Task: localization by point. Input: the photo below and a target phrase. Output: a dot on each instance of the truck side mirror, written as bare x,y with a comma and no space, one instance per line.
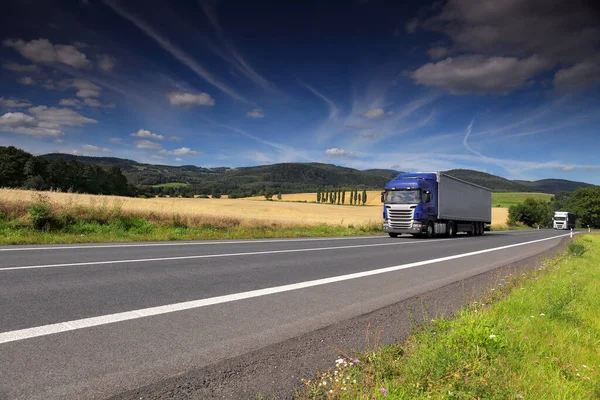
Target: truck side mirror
382,196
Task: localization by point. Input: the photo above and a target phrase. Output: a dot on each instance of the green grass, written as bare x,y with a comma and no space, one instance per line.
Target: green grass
172,185
513,198
534,337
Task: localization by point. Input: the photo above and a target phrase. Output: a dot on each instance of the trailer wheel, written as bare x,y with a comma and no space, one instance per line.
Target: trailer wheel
450,230
473,229
482,228
430,230
477,229
392,234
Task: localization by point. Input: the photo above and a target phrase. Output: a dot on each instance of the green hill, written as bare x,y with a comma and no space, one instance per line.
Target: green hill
293,177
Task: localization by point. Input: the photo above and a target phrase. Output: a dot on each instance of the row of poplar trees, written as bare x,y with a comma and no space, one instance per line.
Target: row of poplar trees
338,196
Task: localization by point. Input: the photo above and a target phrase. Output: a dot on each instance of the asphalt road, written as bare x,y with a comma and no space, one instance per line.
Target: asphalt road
93,321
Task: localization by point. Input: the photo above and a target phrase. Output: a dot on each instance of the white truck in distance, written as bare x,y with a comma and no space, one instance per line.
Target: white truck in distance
564,220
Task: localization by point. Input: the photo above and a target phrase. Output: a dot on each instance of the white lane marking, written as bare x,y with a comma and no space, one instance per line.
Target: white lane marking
252,253
206,243
22,334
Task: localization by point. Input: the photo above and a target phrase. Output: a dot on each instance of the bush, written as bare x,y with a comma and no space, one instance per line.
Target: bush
41,216
202,196
576,249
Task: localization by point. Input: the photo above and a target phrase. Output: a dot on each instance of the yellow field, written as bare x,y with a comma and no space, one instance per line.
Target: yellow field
373,197
248,212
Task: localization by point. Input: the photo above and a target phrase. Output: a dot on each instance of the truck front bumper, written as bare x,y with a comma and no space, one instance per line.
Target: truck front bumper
415,228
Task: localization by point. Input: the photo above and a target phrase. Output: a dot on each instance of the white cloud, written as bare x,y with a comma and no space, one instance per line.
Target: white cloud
359,127
90,147
178,159
27,125
579,75
375,113
143,133
147,145
115,140
412,25
479,74
41,50
13,103
70,103
335,152
84,87
175,139
183,151
256,113
20,67
105,62
81,45
155,157
257,157
95,103
60,116
190,99
568,168
26,80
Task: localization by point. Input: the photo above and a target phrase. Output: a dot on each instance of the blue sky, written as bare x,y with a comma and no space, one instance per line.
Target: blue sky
511,89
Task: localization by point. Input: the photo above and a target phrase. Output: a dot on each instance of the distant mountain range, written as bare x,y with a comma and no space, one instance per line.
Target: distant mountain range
297,177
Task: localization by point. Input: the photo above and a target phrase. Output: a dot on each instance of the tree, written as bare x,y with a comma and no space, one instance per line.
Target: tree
318,195
268,195
344,196
532,213
559,201
585,202
364,197
356,197
279,196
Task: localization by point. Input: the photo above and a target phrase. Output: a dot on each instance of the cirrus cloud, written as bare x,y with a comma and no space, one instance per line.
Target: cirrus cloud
184,99
182,151
335,152
256,113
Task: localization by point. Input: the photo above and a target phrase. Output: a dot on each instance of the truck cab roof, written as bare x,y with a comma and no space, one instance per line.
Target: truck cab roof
410,181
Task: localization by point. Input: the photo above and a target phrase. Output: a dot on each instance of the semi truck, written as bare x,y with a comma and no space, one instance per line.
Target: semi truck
432,204
564,220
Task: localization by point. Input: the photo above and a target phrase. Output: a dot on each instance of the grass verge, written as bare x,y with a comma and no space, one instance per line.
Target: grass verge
536,336
512,198
44,222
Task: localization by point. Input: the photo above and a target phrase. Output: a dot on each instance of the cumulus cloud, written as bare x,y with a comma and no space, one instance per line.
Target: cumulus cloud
13,103
335,152
175,138
95,103
506,33
375,113
178,159
155,157
105,62
41,50
256,113
183,99
96,149
579,75
183,151
143,133
20,67
60,116
84,87
479,74
27,81
147,145
70,103
42,121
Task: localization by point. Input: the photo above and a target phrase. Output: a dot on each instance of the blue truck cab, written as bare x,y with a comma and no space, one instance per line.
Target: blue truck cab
434,203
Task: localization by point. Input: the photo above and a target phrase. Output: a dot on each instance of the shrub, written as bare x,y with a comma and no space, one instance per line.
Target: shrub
576,249
41,216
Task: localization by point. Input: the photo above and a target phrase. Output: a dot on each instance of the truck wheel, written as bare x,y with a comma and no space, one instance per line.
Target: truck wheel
450,230
392,234
482,228
478,230
473,230
430,230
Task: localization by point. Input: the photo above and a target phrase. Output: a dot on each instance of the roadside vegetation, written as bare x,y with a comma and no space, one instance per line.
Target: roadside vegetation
535,336
44,221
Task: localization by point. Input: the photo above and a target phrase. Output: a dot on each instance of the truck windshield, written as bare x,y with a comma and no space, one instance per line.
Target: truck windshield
403,197
559,218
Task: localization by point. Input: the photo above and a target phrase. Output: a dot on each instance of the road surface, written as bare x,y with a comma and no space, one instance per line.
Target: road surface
93,321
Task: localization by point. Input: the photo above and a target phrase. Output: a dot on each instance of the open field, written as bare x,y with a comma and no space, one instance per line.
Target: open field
247,212
534,336
513,198
504,200
172,184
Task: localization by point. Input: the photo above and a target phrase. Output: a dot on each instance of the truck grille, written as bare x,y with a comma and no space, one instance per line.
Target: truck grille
400,219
